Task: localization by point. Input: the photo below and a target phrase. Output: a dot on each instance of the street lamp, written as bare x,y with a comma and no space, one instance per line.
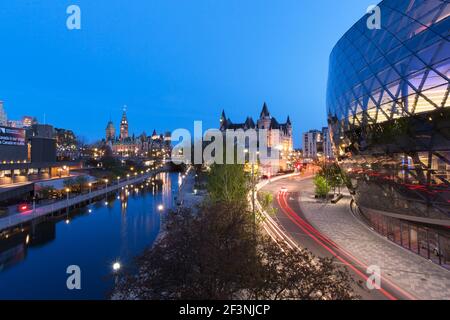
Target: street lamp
253,184
116,266
160,207
67,192
118,180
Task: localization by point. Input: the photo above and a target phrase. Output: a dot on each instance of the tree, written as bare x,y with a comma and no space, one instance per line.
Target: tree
334,176
228,183
75,184
211,255
266,201
69,183
46,192
322,187
290,273
81,182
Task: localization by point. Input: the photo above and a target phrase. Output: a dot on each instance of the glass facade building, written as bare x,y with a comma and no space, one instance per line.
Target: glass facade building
388,110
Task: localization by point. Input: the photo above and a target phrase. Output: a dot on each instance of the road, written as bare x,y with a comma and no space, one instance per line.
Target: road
292,222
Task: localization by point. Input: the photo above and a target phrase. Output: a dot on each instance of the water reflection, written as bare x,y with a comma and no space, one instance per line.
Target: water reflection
33,259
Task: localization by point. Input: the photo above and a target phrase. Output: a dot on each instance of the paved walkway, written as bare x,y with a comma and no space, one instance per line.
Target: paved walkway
24,217
419,276
187,196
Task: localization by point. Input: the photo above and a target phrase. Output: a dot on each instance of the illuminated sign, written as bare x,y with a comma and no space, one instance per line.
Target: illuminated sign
12,136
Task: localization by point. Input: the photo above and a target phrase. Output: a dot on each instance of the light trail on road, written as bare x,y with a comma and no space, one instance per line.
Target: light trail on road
332,247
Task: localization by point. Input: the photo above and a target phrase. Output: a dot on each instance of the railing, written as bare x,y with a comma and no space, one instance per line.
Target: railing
19,218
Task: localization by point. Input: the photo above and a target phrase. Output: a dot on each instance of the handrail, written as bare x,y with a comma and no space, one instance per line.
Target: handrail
19,218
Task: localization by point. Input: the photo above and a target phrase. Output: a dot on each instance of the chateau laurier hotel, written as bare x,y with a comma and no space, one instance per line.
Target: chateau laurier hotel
279,136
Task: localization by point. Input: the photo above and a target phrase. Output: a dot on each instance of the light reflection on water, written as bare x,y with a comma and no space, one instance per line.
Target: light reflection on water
33,262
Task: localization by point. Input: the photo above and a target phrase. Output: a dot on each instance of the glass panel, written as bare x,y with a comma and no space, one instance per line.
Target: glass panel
397,233
433,243
445,250
423,243
390,231
413,239
383,226
405,235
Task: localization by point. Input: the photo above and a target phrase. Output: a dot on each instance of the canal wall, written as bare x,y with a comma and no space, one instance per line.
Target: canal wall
17,219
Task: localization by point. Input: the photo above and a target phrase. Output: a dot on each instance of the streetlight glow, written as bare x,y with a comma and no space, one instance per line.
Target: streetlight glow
116,266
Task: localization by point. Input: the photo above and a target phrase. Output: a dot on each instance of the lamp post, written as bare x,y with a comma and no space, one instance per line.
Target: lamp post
253,192
67,210
116,268
118,181
67,192
253,184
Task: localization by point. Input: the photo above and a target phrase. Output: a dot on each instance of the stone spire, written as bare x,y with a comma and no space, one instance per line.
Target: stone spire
110,131
124,124
223,120
265,111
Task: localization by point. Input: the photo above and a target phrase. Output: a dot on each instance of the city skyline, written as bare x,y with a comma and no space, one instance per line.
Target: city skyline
225,151
160,91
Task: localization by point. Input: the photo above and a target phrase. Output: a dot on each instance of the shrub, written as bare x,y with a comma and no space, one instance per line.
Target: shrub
322,188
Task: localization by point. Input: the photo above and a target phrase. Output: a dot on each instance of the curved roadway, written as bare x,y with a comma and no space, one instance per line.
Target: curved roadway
291,224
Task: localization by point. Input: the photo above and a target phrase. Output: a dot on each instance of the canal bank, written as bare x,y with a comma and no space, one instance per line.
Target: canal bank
33,264
35,214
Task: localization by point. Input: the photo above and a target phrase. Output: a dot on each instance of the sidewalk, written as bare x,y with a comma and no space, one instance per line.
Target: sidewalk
186,194
419,276
41,211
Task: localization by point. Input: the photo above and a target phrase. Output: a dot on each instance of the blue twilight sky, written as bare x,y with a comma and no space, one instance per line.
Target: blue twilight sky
171,61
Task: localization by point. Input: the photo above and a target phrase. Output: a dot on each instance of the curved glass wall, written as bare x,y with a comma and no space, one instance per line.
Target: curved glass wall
389,112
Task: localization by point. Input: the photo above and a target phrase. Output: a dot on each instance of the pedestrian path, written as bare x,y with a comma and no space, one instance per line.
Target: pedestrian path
24,217
419,276
188,196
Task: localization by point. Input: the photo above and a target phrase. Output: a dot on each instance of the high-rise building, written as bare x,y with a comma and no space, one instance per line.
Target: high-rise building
327,146
3,117
388,104
124,125
317,144
27,121
311,144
